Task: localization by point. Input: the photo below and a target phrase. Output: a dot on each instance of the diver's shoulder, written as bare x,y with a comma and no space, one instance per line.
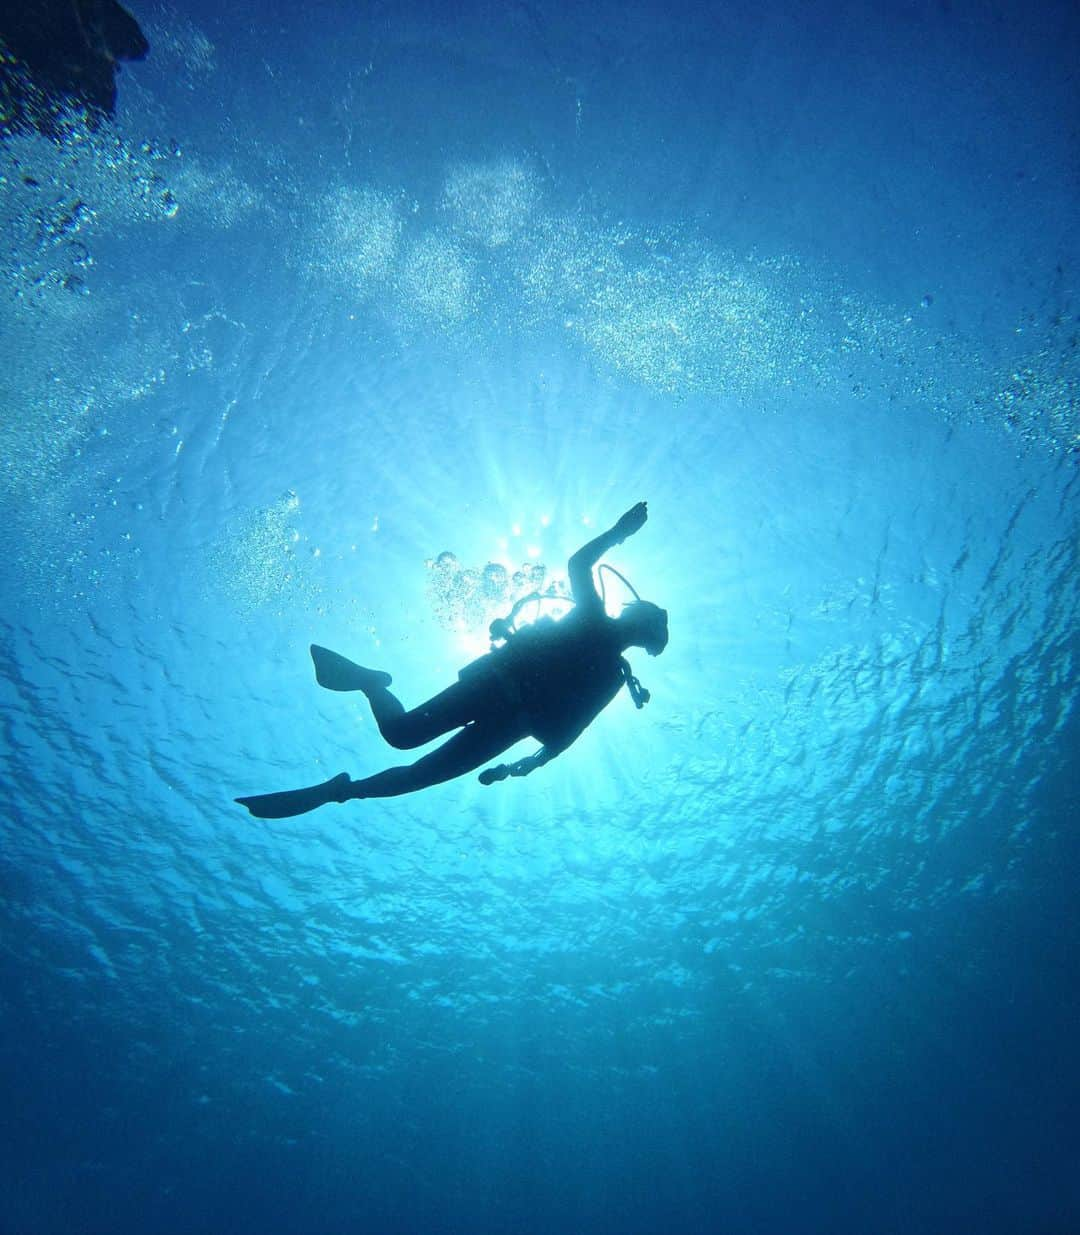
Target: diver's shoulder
586,617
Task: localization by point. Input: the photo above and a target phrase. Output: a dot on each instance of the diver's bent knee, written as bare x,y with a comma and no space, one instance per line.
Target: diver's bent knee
404,737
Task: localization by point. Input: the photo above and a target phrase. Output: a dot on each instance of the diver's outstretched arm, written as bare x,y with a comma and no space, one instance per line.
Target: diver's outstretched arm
582,563
521,767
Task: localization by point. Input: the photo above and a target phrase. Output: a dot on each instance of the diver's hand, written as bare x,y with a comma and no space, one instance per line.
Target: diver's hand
632,521
522,767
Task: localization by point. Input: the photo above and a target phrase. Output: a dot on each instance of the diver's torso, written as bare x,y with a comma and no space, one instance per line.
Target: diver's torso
560,675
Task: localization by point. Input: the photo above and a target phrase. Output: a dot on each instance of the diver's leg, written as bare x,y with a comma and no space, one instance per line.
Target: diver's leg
457,705
450,709
476,744
296,801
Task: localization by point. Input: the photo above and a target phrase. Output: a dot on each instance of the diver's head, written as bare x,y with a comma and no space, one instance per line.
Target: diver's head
644,625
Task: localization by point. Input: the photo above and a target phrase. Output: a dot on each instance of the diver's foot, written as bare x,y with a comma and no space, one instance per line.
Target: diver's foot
336,673
298,801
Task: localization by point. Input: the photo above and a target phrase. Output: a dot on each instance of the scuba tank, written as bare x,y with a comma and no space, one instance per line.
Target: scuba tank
503,630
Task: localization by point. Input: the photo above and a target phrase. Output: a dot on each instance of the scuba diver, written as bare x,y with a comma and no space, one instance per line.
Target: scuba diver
549,680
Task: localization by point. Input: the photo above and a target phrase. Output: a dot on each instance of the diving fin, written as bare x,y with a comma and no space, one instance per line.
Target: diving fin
296,801
336,673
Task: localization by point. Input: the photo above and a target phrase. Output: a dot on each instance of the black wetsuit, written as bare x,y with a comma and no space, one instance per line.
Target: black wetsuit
558,675
549,682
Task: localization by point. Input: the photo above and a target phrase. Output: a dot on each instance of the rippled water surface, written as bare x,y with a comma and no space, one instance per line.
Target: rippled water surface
357,322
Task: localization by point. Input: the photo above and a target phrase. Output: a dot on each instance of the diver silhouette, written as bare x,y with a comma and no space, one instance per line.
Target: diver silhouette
548,681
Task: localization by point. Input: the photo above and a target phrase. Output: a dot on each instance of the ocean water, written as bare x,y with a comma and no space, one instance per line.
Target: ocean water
348,288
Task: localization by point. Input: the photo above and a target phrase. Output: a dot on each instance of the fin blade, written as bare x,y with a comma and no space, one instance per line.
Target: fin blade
295,801
336,672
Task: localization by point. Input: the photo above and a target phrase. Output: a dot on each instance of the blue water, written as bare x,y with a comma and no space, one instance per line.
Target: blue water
793,949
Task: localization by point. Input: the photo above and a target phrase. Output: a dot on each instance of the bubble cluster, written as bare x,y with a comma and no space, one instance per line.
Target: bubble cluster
467,599
257,561
437,281
76,356
45,415
174,37
355,236
713,328
655,305
668,312
1039,399
666,308
55,197
215,197
54,403
491,203
59,197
